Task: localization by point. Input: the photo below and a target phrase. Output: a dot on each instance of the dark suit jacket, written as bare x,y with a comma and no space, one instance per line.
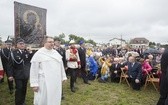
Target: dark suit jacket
164,75
135,71
118,68
19,64
164,61
82,56
61,51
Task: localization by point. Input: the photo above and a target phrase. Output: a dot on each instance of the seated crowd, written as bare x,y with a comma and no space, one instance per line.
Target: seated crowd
137,67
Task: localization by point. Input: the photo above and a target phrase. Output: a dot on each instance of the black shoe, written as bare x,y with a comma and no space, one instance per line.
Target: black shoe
24,104
101,81
2,80
11,92
73,90
87,83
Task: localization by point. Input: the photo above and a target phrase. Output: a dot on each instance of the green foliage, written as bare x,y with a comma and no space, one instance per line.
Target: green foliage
0,40
73,37
60,37
91,41
76,38
152,44
164,46
94,94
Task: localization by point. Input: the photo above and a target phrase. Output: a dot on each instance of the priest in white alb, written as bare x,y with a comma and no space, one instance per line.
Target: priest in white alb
47,74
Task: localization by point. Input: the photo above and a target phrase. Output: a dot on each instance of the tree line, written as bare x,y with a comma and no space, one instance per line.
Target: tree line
76,38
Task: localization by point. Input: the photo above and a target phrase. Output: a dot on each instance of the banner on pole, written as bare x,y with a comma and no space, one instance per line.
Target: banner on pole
30,23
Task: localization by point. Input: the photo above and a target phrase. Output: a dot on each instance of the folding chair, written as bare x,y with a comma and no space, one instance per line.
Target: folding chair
124,76
151,79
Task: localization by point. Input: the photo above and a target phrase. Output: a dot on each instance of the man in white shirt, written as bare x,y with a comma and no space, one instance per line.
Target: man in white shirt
73,63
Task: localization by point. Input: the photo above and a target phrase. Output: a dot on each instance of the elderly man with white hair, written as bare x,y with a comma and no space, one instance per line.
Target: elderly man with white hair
134,72
115,70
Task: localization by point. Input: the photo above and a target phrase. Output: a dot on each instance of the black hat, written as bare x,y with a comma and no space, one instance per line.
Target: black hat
19,40
8,41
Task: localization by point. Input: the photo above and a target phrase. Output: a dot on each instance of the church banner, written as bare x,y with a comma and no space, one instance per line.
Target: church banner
30,23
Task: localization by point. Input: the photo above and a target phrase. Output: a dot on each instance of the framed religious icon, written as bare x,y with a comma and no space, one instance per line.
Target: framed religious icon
30,23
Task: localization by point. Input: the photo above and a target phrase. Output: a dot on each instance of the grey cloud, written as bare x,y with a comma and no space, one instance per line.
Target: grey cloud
99,20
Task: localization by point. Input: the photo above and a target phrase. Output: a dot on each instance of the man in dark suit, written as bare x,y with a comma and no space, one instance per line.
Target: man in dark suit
163,100
5,52
134,72
115,70
82,56
61,51
19,70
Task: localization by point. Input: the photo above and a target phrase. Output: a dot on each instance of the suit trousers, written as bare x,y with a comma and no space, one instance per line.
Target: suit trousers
73,76
10,85
115,78
20,92
135,86
84,75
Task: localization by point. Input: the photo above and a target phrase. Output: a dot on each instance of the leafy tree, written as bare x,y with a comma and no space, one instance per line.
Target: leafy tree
76,38
79,39
152,44
91,41
73,37
0,40
60,37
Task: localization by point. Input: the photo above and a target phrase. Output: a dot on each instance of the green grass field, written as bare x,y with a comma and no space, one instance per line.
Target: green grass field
94,94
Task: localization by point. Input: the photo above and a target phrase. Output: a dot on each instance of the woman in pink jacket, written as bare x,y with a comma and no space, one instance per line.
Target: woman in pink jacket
146,68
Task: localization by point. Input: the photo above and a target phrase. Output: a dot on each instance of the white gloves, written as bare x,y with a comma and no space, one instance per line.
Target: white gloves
137,81
115,71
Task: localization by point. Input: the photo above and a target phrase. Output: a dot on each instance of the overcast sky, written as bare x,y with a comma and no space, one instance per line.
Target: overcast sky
100,20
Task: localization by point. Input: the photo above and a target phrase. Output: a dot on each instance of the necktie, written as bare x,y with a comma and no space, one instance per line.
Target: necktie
20,51
132,64
116,66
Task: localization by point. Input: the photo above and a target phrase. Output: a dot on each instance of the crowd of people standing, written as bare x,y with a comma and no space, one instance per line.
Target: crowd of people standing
52,62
